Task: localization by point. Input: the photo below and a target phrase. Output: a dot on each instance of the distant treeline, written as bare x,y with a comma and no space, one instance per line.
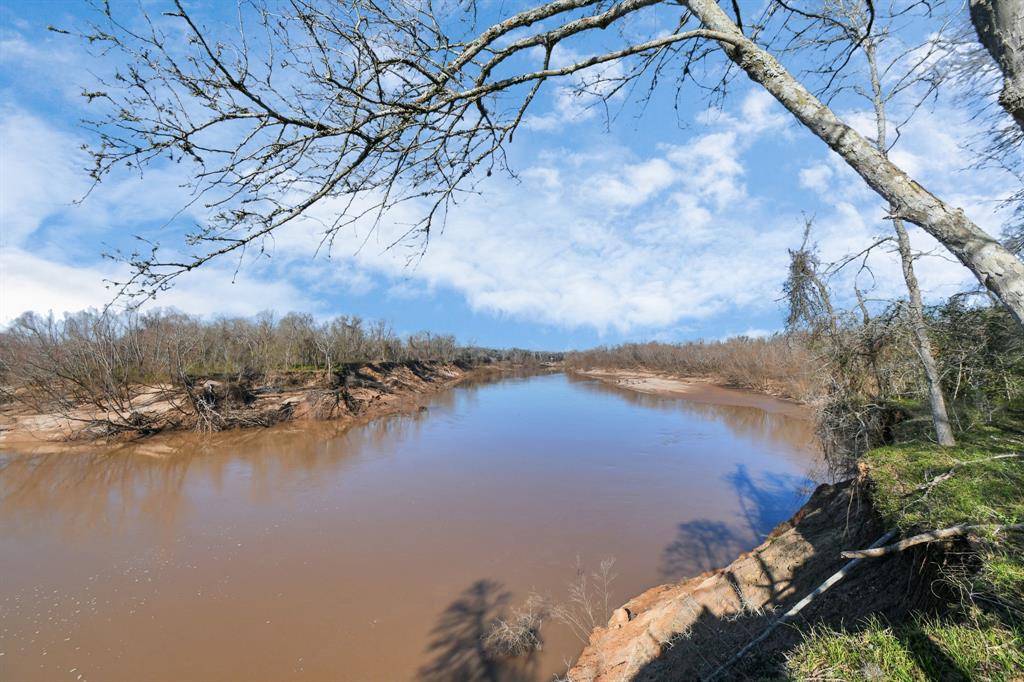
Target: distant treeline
94,358
165,343
980,347
780,364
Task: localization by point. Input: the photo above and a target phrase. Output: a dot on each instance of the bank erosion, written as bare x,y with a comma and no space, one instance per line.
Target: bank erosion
940,594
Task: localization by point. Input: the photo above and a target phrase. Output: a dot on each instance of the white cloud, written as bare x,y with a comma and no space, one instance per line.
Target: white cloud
29,282
611,241
816,177
632,184
41,176
39,171
625,244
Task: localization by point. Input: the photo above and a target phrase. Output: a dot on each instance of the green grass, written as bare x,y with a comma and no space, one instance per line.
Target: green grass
965,642
983,493
920,650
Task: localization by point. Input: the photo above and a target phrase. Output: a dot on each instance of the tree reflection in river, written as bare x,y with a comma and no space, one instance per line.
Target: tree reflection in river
768,501
701,545
765,501
94,487
746,414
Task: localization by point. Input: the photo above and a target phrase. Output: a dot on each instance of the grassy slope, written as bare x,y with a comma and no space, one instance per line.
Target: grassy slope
925,649
979,636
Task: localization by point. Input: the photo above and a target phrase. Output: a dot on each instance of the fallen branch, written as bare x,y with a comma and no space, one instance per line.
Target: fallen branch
930,536
959,465
799,606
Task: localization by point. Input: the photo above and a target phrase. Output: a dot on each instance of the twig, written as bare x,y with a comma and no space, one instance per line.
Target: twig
930,536
821,589
949,474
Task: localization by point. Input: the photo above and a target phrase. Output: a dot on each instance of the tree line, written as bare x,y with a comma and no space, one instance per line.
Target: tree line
103,364
779,364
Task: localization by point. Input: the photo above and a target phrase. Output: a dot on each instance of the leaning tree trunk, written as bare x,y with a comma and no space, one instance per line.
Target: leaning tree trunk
994,266
1000,27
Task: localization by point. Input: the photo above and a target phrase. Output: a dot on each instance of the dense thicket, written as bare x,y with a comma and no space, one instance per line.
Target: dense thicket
164,346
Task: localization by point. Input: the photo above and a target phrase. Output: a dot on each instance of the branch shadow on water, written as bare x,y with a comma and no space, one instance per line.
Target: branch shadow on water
701,545
712,625
457,649
706,544
769,501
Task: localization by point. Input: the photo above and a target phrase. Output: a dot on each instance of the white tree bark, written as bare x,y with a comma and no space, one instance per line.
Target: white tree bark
922,344
1000,28
995,267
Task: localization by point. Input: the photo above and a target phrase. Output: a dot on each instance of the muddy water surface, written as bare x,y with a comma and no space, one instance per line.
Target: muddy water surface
304,552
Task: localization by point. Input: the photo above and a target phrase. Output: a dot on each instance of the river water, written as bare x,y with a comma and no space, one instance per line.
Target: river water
381,552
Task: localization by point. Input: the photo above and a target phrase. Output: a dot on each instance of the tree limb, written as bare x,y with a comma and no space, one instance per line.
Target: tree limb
930,536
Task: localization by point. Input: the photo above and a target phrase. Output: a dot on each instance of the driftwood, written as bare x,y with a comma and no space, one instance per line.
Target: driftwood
931,536
797,608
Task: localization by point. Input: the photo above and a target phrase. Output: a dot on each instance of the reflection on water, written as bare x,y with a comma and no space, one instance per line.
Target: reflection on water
310,551
457,650
748,415
705,544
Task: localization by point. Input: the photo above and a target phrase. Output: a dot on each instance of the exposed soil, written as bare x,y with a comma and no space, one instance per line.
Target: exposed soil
354,393
687,630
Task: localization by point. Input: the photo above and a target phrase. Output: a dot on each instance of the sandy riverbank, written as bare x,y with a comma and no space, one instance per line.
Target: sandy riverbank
698,389
367,392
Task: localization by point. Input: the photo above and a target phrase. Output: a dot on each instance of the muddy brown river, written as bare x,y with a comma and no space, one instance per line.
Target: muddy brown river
382,552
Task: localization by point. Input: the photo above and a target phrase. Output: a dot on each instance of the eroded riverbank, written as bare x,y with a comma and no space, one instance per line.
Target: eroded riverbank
694,628
353,395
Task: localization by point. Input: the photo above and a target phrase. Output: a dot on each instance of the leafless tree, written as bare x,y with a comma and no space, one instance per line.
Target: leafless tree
96,371
369,105
779,364
857,25
589,602
978,80
807,296
105,373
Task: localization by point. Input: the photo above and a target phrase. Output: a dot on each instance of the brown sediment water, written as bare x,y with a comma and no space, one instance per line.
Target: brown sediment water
382,551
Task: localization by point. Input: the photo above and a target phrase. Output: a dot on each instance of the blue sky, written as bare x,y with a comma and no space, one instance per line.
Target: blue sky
670,225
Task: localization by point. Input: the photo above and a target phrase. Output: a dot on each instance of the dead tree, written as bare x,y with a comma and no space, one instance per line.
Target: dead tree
855,25
374,104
